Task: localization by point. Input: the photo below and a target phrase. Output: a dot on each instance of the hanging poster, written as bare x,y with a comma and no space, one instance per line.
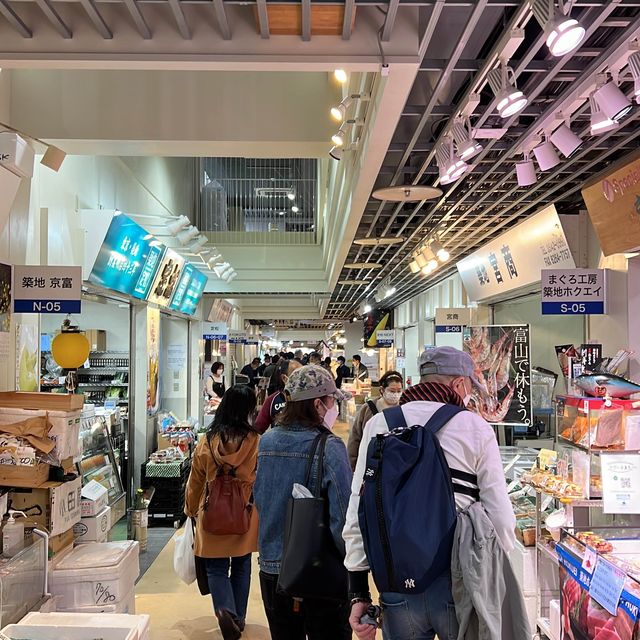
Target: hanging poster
153,353
5,298
501,354
374,321
27,358
583,618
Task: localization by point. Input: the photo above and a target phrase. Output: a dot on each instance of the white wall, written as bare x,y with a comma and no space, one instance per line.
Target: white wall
108,317
174,333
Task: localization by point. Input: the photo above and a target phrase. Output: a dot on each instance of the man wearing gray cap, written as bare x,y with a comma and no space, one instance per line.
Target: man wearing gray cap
471,450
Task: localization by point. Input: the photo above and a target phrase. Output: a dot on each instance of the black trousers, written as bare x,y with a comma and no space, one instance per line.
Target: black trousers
311,619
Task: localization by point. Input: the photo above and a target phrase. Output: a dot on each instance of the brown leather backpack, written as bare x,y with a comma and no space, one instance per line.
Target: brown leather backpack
225,511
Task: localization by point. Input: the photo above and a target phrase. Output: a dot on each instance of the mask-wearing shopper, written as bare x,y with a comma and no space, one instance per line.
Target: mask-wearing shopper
215,386
284,455
390,394
276,402
230,446
417,584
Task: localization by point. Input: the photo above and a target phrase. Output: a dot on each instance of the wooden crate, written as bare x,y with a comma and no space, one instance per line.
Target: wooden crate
286,19
47,401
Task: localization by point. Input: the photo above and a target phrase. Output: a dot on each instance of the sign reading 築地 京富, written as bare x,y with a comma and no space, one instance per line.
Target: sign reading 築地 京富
38,289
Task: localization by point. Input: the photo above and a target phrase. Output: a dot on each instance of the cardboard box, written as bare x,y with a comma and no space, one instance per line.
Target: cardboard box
27,477
93,529
55,505
49,401
97,339
95,498
58,545
65,430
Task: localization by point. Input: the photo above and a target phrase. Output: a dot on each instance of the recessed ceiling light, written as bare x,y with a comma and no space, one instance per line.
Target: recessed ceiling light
291,195
281,213
295,209
376,242
363,265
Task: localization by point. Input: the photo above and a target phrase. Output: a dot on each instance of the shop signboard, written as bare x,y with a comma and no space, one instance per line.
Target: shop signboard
582,615
167,278
181,289
375,321
237,337
515,259
574,291
252,341
613,203
194,291
501,354
215,331
386,337
39,289
128,258
452,320
220,310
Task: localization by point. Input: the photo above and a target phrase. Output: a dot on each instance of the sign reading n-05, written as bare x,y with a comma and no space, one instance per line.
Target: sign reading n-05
38,289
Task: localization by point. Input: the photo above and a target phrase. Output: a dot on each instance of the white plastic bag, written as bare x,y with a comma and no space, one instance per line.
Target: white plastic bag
184,562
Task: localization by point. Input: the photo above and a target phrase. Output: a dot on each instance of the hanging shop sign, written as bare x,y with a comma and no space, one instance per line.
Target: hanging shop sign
613,203
574,291
237,337
220,310
386,337
193,293
515,259
252,341
39,289
452,320
374,322
215,331
501,354
167,278
620,482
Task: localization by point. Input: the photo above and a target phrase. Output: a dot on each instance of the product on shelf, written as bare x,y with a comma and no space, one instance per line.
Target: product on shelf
609,431
594,541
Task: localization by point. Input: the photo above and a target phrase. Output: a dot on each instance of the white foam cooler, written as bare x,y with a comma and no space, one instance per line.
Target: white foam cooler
95,575
139,625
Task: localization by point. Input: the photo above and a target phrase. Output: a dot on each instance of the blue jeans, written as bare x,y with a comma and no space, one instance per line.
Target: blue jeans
229,581
421,616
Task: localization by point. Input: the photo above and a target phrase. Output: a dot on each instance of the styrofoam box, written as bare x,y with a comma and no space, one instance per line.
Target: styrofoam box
65,429
531,606
95,574
126,605
111,620
555,618
28,632
523,560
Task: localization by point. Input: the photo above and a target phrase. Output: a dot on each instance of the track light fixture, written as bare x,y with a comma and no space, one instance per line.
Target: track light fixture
339,113
526,171
450,165
340,75
187,235
466,146
339,138
600,123
337,153
565,140
181,222
198,243
564,33
612,101
503,84
634,67
414,267
421,260
439,251
546,155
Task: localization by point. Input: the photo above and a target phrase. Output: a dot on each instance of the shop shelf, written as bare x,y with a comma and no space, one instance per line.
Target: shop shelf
547,551
544,624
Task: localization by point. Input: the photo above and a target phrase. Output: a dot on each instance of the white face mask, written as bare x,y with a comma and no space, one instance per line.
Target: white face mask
330,416
467,399
392,397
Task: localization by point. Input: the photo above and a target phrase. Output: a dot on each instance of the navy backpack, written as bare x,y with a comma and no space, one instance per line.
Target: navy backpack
407,511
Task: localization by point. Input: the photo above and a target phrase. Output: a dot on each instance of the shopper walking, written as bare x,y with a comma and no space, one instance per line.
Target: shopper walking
262,368
251,371
358,370
342,371
390,393
215,386
229,447
282,461
315,358
487,595
275,403
269,371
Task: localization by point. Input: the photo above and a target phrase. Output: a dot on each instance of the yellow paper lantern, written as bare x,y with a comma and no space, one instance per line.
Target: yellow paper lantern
70,349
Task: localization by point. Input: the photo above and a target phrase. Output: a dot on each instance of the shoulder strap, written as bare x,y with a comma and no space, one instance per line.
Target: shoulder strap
395,418
372,407
318,445
442,416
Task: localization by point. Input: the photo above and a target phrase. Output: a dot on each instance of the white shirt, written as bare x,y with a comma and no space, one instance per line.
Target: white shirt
469,445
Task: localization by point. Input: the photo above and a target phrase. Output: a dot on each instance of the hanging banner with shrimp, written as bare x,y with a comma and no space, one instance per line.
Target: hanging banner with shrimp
501,354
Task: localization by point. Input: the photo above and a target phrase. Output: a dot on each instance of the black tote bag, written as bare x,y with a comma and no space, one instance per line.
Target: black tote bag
312,566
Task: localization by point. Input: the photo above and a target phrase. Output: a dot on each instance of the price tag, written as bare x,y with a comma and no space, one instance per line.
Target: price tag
590,559
546,458
606,585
